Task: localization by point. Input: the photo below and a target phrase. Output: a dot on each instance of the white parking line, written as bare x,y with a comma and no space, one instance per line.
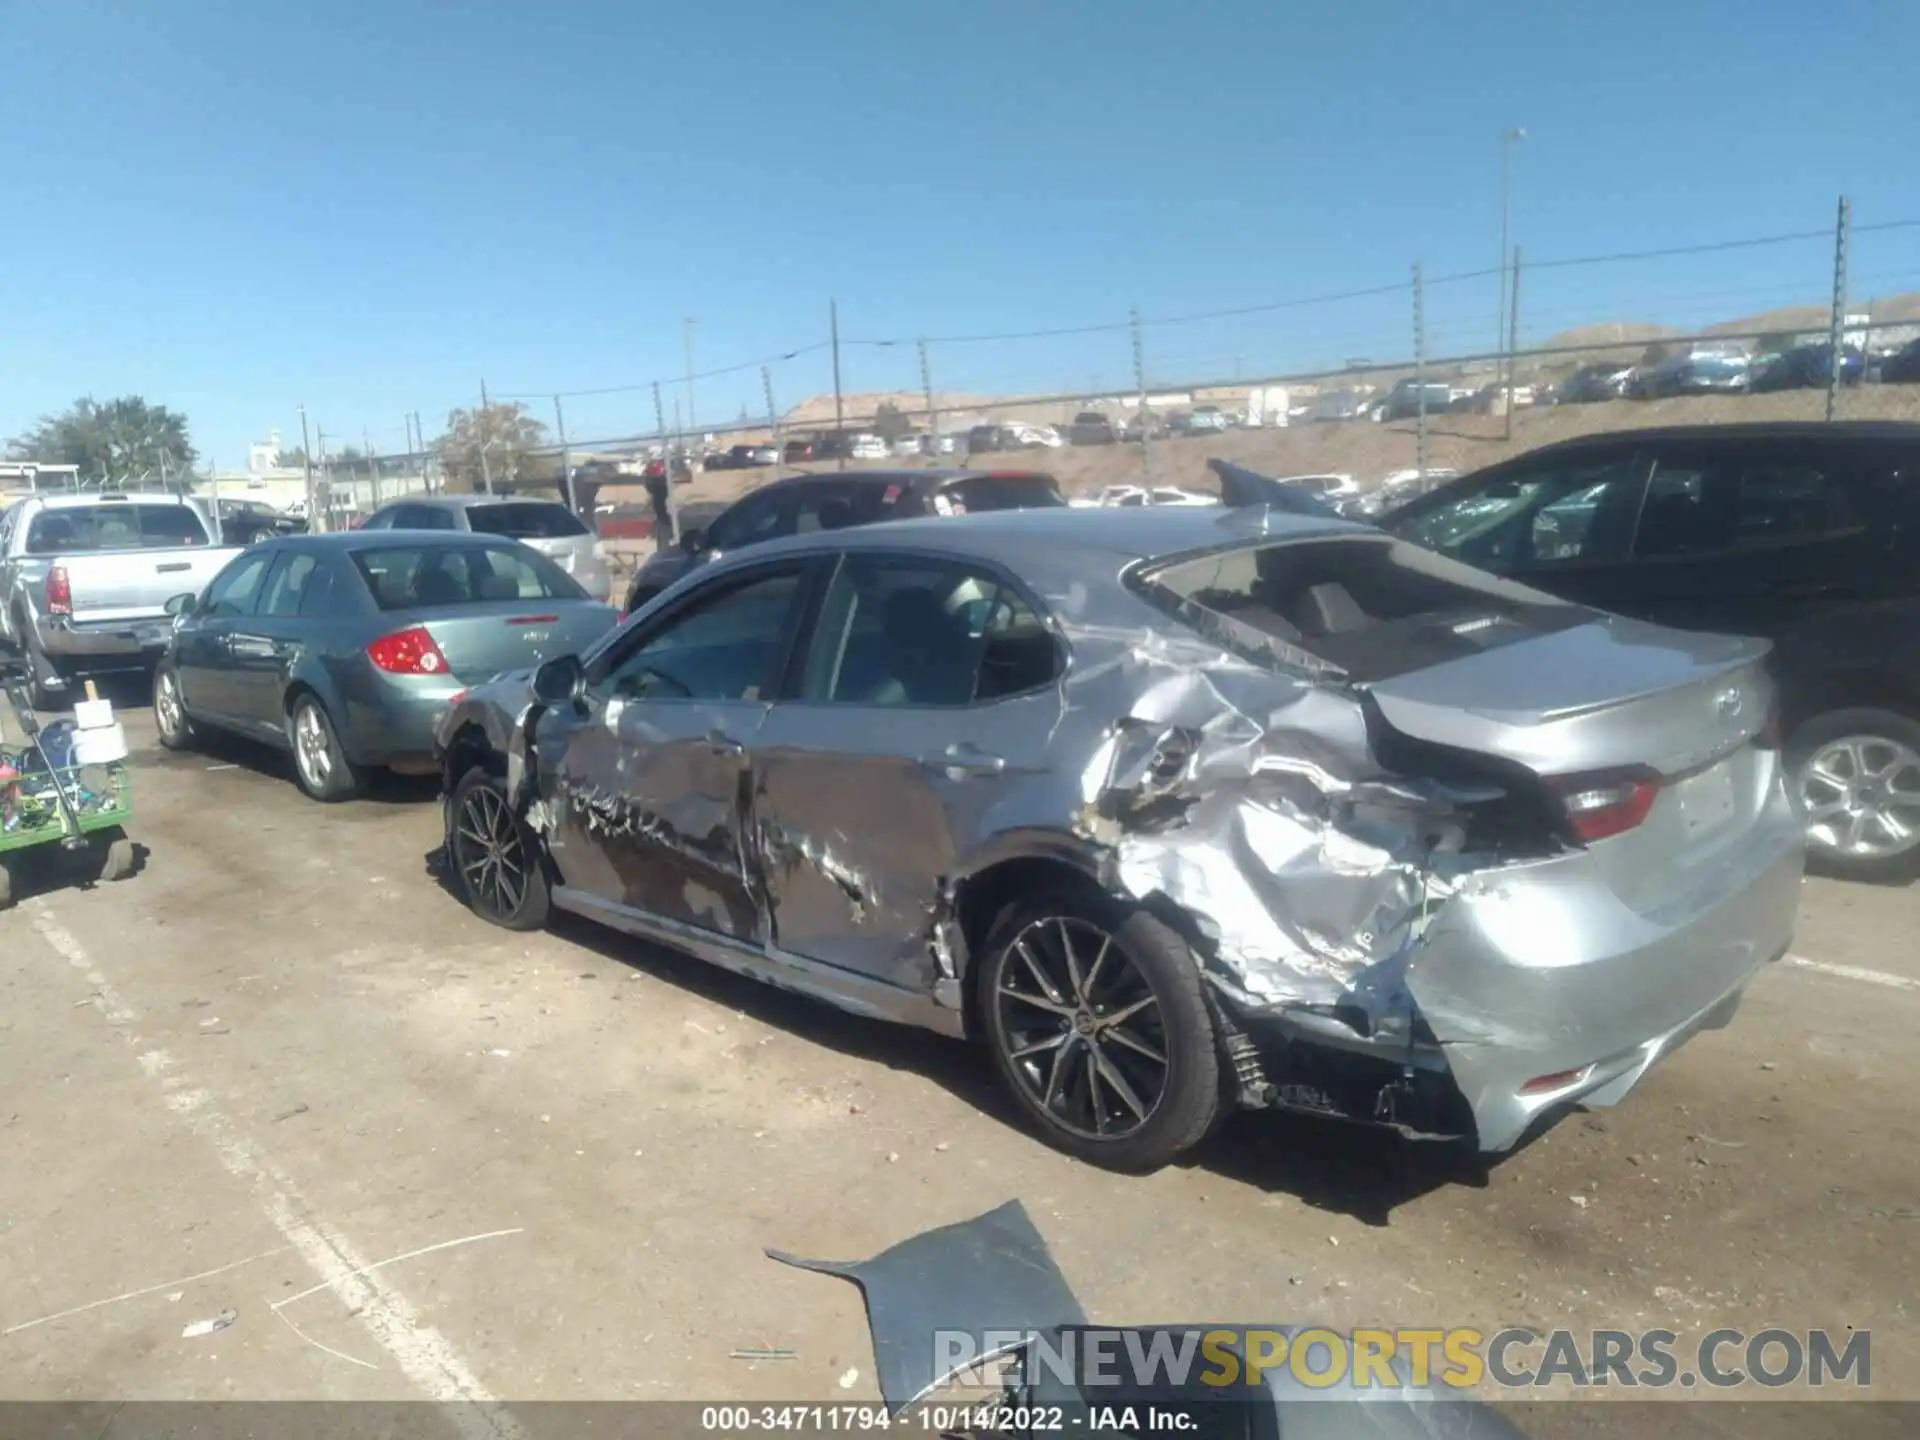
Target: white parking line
426,1357
1854,972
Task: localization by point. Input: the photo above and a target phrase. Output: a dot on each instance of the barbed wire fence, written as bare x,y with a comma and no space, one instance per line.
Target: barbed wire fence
1366,338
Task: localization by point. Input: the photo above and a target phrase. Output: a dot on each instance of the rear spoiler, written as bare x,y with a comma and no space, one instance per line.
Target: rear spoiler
1243,488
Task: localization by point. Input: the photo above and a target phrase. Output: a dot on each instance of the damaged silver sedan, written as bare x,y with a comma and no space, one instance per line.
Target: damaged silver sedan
1174,810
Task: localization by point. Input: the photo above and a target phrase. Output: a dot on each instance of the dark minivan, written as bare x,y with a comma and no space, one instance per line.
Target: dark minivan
836,501
1806,534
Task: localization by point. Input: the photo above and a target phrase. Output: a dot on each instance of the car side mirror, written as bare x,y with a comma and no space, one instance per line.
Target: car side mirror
695,541
180,605
560,681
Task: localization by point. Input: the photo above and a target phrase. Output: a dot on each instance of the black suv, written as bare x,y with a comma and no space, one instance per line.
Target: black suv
1806,534
833,502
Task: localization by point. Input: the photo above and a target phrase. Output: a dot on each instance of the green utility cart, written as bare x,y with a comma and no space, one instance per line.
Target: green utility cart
48,811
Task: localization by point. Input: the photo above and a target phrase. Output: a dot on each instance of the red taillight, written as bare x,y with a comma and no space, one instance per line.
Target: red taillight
1608,802
59,594
408,652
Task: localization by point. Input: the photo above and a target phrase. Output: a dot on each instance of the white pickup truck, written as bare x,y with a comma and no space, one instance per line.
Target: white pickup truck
85,579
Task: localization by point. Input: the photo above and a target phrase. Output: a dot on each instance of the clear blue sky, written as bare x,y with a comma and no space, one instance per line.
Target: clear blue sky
369,207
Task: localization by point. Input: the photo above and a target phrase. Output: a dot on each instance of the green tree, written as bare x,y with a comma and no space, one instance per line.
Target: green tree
890,422
294,459
113,443
509,434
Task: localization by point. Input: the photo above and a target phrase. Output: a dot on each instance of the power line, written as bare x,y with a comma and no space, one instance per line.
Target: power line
648,384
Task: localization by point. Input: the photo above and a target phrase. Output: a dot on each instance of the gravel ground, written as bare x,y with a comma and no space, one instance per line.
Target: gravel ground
282,1053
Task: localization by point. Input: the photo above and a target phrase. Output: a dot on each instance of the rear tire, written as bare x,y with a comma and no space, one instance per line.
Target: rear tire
170,719
494,859
1857,775
320,766
44,692
1104,1041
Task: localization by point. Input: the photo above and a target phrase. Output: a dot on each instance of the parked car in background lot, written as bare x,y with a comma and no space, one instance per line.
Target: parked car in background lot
868,447
247,522
1902,367
1691,374
1338,405
1403,401
929,772
1805,534
1206,420
835,502
1145,425
798,450
1809,367
85,577
1090,427
1396,489
345,649
1591,384
543,525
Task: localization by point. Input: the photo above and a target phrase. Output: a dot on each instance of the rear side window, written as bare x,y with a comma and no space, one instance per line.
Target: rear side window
1364,607
1534,518
427,577
1743,504
998,492
287,585
89,529
526,522
836,507
897,631
753,520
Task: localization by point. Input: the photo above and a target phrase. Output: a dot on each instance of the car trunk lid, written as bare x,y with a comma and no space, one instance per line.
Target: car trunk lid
479,641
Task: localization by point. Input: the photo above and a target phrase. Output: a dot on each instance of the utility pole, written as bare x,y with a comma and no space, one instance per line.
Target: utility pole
373,469
326,479
480,435
773,420
1513,336
412,451
839,404
306,463
1508,139
1419,372
933,410
420,435
1836,330
686,340
1140,390
566,456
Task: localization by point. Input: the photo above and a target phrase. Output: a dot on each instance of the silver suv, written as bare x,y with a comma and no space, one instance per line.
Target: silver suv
543,525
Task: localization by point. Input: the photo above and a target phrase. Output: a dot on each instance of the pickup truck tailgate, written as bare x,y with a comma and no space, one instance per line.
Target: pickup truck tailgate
136,584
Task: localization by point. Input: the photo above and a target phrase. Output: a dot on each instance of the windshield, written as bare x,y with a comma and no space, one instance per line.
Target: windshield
522,521
86,529
1363,607
429,577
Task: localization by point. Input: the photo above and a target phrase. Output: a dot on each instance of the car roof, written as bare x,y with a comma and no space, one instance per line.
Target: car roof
72,499
1067,538
1863,430
467,502
350,540
916,479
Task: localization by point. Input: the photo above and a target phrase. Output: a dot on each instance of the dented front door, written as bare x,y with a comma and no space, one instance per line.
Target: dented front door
646,806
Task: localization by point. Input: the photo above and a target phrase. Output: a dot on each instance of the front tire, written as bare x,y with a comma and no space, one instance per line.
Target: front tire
170,719
1857,775
320,766
1098,1027
494,858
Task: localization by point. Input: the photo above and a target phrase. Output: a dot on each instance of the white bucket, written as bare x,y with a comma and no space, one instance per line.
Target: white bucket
100,746
92,714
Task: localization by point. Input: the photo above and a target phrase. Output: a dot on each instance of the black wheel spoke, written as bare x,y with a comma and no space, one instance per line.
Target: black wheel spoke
1077,1023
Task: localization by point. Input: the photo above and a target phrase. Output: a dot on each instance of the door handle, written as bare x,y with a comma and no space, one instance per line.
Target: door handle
721,743
965,759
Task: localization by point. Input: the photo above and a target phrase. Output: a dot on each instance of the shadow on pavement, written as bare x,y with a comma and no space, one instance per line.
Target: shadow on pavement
1341,1168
